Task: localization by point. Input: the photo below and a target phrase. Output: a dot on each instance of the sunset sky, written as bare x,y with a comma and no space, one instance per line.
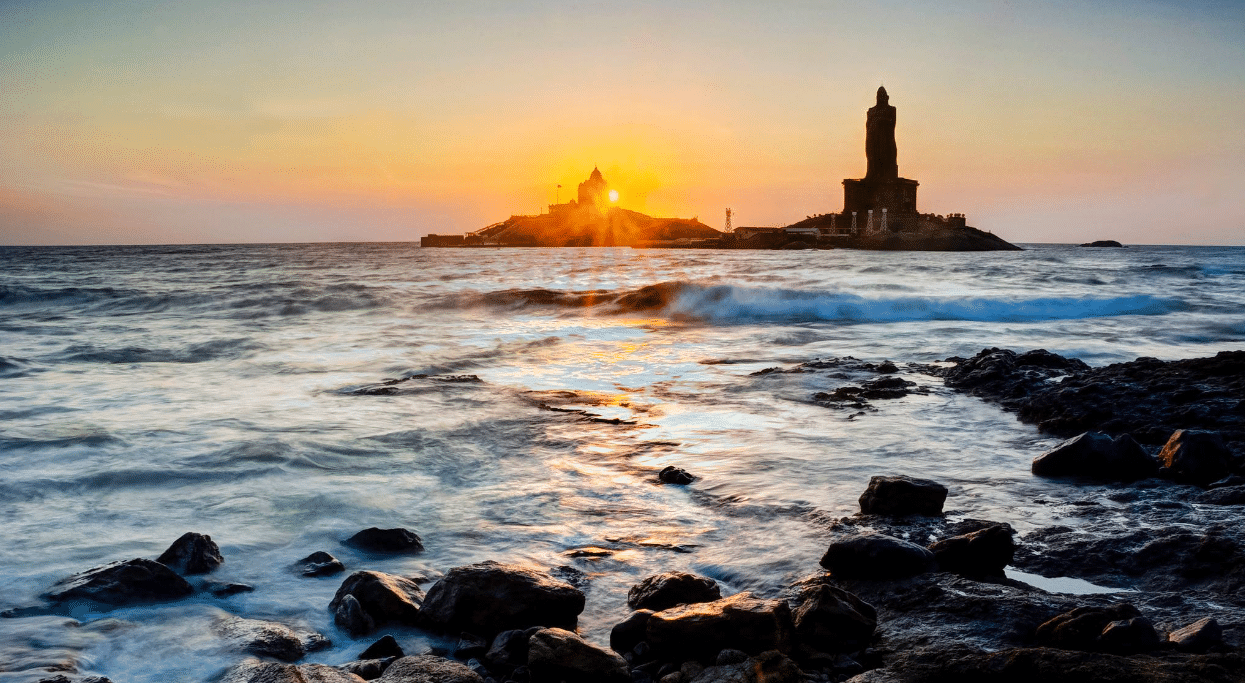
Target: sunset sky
194,122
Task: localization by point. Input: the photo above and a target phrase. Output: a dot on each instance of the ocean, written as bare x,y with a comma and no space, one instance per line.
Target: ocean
513,405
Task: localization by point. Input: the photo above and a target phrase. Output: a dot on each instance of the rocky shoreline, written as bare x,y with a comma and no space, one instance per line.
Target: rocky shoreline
1155,465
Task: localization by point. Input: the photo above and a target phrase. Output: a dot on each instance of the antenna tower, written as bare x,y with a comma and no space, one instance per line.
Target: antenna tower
727,227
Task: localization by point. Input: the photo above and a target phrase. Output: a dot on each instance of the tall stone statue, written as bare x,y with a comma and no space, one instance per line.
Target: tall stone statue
880,140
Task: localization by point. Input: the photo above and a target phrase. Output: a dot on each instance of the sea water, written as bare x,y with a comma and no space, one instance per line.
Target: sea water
150,391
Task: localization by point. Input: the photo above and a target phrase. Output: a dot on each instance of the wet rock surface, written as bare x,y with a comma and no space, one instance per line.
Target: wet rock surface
984,552
267,638
1097,456
556,654
1147,398
875,555
490,597
428,669
320,563
766,667
193,553
675,475
386,541
122,583
381,598
900,495
663,591
740,622
255,671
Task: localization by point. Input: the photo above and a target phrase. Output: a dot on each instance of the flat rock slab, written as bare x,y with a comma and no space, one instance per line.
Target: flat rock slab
555,654
428,669
122,583
264,638
387,541
490,597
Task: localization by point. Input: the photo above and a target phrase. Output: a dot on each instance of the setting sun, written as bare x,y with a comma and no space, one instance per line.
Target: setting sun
613,195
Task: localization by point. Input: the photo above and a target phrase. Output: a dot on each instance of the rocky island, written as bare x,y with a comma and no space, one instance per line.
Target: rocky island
879,212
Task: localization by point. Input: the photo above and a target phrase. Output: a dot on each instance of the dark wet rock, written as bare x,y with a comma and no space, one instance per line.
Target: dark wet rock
1147,398
349,614
741,622
428,669
1230,480
556,654
262,638
1196,457
1162,558
675,475
368,669
1103,243
223,590
255,671
192,554
386,646
902,495
629,631
728,656
1097,456
886,367
663,591
882,388
470,646
1200,636
490,597
389,541
980,553
122,583
1228,495
766,667
875,556
320,563
957,663
1081,628
1129,636
509,648
382,597
830,619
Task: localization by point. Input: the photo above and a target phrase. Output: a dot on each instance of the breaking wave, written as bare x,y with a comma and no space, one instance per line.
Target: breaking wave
737,304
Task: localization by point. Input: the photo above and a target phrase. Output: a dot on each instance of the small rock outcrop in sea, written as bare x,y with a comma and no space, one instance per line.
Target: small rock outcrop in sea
255,671
1097,456
984,552
874,555
556,654
320,563
740,622
377,596
490,597
122,583
903,496
386,646
193,553
1196,457
389,541
675,475
663,591
1102,243
428,669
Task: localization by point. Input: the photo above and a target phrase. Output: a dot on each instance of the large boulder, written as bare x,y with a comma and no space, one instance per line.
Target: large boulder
903,496
255,671
122,583
382,597
490,597
663,591
389,541
554,654
386,647
984,552
740,622
1196,457
192,554
428,669
766,667
871,555
1082,628
830,619
1097,456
